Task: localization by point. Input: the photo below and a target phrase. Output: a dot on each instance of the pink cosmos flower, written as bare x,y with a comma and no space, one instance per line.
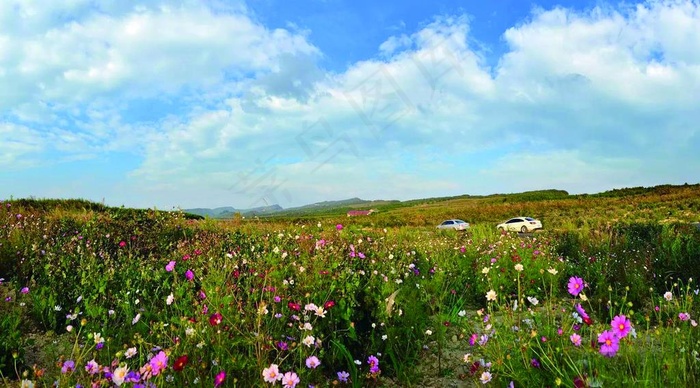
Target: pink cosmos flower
575,339
683,316
170,266
339,227
621,326
24,290
158,363
312,362
272,374
290,380
189,275
609,343
575,285
91,367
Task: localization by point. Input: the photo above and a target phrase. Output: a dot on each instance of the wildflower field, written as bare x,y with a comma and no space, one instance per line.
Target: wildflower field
94,296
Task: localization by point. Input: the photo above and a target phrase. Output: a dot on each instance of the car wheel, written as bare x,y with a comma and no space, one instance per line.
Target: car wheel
523,229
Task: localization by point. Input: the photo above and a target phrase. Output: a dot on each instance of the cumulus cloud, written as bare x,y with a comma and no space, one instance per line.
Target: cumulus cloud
581,100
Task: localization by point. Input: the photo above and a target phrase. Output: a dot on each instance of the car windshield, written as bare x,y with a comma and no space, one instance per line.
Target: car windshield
529,219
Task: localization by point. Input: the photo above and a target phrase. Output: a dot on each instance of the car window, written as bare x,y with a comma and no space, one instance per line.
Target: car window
529,218
460,222
447,223
514,220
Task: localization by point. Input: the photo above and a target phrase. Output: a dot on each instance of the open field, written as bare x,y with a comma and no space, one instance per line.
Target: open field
603,296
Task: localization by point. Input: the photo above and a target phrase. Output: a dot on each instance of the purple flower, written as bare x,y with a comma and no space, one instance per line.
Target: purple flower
68,366
343,376
535,363
170,266
575,285
373,364
132,377
189,275
24,290
339,227
581,311
683,316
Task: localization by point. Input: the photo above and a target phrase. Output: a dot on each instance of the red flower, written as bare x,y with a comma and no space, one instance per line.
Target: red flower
580,382
588,321
328,304
122,244
180,363
215,319
294,306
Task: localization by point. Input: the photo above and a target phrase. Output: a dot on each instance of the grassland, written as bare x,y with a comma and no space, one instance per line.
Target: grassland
102,296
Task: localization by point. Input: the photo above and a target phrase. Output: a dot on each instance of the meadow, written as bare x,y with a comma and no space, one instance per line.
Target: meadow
605,295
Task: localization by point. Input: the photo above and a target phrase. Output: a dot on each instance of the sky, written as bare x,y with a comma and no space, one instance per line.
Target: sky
183,104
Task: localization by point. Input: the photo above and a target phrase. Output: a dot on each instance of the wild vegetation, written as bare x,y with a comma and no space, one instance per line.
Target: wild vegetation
604,295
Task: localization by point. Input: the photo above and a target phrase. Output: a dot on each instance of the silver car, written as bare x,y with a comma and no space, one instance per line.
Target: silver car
454,224
520,224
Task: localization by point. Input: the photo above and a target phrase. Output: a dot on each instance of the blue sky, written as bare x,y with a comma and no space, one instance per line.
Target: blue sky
233,103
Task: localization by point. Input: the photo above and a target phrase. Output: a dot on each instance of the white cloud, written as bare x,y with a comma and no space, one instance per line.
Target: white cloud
582,101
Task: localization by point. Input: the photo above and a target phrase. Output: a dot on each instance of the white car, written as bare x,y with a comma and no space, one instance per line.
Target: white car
520,224
454,224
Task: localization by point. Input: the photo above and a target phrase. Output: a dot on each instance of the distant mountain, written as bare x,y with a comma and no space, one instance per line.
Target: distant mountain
325,206
228,211
332,204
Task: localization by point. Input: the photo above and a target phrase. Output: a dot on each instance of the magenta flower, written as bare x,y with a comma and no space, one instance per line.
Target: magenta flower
170,266
609,343
339,227
219,379
24,290
621,326
158,363
683,316
189,275
575,285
